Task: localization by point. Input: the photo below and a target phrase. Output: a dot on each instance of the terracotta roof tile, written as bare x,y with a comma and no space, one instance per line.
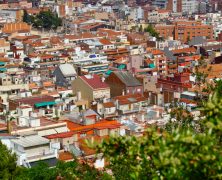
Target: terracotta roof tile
184,50
157,52
84,147
105,42
65,156
94,81
108,104
105,124
130,98
61,135
37,44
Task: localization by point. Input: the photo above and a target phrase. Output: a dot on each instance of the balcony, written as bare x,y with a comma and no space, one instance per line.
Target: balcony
107,115
133,110
47,155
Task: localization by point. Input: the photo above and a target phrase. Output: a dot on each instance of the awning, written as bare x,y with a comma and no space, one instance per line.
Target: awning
3,69
122,66
42,104
151,65
108,72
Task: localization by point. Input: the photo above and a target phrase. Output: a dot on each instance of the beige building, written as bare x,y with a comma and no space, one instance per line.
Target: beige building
4,46
91,88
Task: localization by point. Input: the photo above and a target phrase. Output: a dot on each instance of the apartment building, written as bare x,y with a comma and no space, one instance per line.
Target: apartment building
185,6
9,28
185,30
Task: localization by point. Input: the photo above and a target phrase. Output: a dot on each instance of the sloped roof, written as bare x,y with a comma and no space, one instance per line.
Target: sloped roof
34,99
130,98
105,42
61,135
127,78
108,104
102,124
184,50
29,141
67,70
94,81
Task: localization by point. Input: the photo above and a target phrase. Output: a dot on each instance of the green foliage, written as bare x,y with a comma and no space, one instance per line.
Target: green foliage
153,32
181,153
66,170
41,171
213,110
48,20
8,167
45,19
178,153
27,18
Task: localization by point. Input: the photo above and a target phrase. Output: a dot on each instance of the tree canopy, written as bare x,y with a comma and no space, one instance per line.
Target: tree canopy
64,170
8,166
45,19
181,153
152,32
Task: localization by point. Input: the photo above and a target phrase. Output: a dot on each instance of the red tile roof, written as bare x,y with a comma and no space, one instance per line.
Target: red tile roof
94,81
104,124
60,135
184,50
157,52
86,149
130,98
108,104
105,42
65,156
34,99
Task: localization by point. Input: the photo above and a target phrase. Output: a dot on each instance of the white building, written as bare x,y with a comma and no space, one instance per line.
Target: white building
32,148
189,6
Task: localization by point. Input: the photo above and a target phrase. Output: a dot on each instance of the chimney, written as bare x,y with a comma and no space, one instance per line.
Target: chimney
103,79
123,92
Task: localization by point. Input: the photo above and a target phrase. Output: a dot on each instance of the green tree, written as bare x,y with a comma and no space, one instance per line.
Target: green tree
8,166
153,32
27,18
41,171
47,20
66,170
181,153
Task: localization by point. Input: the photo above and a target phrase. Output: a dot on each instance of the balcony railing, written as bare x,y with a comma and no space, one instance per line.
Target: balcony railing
133,110
41,156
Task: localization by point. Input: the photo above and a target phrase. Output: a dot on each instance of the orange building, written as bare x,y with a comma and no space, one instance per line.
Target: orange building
165,31
185,30
15,27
